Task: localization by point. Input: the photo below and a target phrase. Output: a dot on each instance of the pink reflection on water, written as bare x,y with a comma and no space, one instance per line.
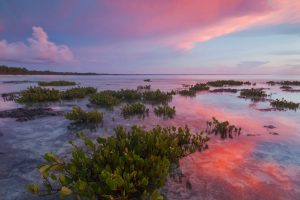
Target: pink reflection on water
229,171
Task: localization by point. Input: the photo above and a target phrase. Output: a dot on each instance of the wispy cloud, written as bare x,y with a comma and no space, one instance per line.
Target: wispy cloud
251,64
38,49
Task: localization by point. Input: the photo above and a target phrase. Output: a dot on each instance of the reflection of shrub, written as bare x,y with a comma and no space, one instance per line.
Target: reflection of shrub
147,80
286,87
225,129
144,87
221,83
130,165
38,94
190,93
284,104
104,98
295,83
80,116
165,110
78,92
290,83
56,83
134,109
253,93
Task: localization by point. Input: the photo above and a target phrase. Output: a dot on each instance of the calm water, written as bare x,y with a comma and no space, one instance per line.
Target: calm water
255,165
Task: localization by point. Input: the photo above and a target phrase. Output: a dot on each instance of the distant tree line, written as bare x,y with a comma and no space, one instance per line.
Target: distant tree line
5,70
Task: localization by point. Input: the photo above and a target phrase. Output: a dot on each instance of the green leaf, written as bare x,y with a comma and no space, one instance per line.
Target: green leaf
64,191
44,169
51,158
33,188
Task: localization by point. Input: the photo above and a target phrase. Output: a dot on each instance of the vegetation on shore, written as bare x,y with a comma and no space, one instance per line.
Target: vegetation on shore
284,104
56,83
253,93
165,111
80,116
221,83
130,165
224,129
135,109
18,82
5,70
147,80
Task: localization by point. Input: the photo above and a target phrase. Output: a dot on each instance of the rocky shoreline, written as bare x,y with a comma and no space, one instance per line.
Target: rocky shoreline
26,114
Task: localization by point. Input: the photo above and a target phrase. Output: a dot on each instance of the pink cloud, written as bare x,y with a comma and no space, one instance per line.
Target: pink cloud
278,12
38,50
183,23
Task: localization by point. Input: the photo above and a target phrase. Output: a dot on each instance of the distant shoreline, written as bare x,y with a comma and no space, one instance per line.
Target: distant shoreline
16,71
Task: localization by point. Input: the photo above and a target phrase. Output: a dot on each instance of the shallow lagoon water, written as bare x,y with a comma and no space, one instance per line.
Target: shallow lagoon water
255,165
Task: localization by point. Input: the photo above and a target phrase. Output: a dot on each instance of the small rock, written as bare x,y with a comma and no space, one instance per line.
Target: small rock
269,126
274,133
253,135
188,185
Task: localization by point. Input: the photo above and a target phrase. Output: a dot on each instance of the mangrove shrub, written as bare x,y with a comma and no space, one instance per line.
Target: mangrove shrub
130,165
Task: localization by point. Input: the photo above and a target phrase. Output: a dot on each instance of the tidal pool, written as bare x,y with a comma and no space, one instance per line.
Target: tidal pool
262,163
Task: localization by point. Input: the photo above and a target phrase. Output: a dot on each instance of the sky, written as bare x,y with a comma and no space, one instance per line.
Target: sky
152,36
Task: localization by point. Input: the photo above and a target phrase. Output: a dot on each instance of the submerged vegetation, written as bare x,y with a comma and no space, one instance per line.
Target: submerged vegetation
165,111
39,94
12,96
224,129
221,83
284,104
286,87
56,83
253,93
80,116
135,109
130,165
190,93
229,90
